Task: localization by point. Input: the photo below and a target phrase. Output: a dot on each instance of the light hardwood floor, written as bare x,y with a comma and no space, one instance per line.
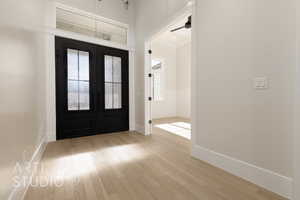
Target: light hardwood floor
129,166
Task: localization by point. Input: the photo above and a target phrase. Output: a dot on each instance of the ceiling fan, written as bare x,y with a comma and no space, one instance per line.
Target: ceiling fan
187,25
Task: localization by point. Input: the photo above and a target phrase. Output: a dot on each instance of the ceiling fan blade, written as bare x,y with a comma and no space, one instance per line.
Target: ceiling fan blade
176,29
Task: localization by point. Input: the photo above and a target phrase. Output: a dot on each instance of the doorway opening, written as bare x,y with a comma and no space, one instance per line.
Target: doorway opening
168,84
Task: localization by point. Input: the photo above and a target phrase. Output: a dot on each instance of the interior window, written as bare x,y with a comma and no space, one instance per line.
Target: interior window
157,80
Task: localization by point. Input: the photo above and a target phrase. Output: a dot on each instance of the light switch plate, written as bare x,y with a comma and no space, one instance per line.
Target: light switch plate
260,83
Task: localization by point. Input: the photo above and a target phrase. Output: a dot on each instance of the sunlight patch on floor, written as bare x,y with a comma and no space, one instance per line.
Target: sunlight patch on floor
126,153
82,164
71,166
183,125
182,129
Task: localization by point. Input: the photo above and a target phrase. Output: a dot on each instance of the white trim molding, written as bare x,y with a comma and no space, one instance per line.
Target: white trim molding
19,193
264,178
89,39
296,109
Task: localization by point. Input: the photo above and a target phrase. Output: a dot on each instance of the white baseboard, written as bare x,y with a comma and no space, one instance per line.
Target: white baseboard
51,137
140,128
19,193
267,179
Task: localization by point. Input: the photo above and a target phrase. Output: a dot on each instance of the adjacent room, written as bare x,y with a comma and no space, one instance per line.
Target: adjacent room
171,79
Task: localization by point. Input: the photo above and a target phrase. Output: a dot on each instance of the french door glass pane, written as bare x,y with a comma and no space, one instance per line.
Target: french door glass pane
72,64
84,95
117,70
113,82
108,96
78,80
84,66
73,95
117,93
108,69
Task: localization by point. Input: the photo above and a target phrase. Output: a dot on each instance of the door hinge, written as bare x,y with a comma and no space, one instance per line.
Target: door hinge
150,75
150,51
150,121
150,98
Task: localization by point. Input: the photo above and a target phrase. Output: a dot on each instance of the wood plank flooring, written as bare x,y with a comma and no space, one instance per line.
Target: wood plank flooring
129,166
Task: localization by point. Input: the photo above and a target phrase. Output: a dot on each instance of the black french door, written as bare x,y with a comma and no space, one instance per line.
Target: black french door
92,94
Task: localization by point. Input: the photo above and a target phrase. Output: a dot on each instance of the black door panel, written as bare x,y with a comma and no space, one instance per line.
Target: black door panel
91,89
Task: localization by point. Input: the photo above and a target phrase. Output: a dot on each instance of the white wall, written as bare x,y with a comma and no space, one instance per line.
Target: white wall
297,115
22,85
296,153
183,85
167,54
237,41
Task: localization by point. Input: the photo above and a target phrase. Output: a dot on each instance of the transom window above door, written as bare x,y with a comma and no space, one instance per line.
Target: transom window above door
80,22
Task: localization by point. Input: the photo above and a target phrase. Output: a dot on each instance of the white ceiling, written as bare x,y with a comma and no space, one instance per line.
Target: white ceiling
177,38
